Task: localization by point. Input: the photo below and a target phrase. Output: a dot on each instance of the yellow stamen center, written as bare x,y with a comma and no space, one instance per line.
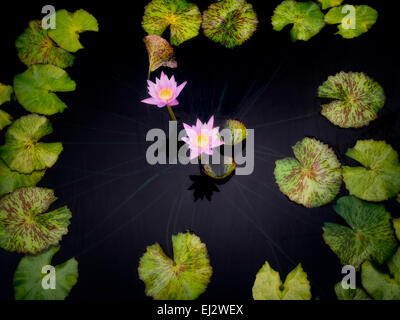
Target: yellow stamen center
165,94
202,140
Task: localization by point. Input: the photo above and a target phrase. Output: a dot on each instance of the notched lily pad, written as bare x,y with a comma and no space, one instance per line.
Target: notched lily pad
161,53
28,277
314,178
12,180
330,3
350,294
365,17
370,234
222,170
69,26
357,99
35,88
34,46
306,17
183,278
268,285
238,129
379,177
379,285
22,152
183,18
25,224
230,22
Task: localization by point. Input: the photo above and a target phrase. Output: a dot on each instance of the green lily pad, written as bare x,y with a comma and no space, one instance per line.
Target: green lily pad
365,18
330,3
5,119
220,171
306,17
230,22
314,178
22,152
5,93
183,278
350,294
239,131
69,26
396,224
12,180
34,46
379,178
358,98
161,53
370,235
28,277
379,285
183,18
24,225
34,88
268,285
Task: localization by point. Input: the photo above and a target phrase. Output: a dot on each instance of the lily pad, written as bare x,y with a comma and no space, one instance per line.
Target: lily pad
220,171
396,224
183,18
34,46
12,180
365,18
358,98
5,119
350,294
314,178
22,152
370,235
238,129
34,88
24,225
306,17
161,54
230,22
69,26
28,277
183,278
379,177
5,93
269,286
330,3
379,285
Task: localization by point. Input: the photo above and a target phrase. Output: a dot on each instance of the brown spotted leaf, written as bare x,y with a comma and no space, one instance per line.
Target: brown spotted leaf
34,46
25,224
356,99
161,53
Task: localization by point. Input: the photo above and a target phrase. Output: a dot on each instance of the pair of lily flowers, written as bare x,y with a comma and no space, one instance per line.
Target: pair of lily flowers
202,137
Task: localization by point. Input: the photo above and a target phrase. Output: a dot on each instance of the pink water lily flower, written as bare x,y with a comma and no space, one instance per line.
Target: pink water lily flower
164,92
202,138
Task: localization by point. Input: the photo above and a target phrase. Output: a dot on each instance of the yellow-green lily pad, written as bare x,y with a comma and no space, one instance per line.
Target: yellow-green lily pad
378,179
22,152
69,26
268,285
184,277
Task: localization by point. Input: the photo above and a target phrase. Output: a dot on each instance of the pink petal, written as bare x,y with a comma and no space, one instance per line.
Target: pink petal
150,101
210,123
194,154
161,104
173,103
179,89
